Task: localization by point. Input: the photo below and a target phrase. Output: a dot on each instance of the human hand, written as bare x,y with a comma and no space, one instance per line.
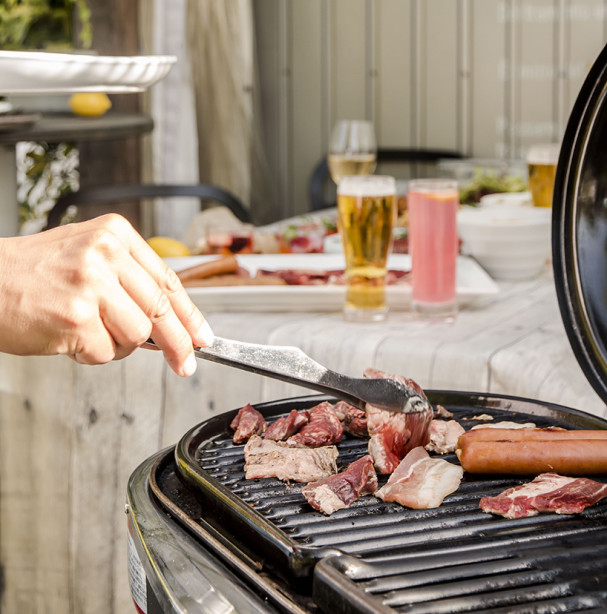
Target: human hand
94,291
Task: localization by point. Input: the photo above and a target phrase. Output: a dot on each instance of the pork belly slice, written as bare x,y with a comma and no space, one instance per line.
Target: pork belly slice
393,435
285,426
444,435
421,482
548,492
341,490
505,425
323,428
353,420
247,422
270,459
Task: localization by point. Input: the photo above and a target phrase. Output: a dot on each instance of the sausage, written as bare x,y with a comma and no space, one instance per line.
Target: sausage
545,434
526,457
219,266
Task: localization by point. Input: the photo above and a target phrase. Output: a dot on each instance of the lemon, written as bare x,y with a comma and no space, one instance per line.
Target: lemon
166,247
91,104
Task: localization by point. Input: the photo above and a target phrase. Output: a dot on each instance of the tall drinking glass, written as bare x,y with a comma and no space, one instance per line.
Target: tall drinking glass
352,149
433,244
366,208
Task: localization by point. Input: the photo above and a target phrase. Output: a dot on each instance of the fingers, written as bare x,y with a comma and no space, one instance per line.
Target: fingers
165,311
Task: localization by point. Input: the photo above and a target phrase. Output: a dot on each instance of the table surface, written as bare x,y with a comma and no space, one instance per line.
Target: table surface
91,426
67,127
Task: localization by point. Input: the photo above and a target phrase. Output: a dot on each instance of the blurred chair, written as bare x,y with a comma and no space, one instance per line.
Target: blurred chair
401,163
209,195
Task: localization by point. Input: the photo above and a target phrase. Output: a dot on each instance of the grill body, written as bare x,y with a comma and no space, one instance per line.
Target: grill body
378,557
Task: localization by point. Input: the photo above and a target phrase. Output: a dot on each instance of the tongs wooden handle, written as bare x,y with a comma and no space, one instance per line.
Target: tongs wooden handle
292,365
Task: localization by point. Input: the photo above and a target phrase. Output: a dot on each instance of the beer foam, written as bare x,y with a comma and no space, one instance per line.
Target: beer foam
367,185
543,154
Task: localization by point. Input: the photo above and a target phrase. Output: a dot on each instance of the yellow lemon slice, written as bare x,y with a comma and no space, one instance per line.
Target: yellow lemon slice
166,247
90,104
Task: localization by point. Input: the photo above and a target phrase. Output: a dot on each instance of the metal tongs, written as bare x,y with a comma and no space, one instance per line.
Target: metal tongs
292,365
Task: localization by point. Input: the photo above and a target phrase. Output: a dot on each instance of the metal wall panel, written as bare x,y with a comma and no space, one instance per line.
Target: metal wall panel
485,77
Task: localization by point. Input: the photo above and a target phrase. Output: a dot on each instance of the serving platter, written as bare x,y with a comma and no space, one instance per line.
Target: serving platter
40,72
473,283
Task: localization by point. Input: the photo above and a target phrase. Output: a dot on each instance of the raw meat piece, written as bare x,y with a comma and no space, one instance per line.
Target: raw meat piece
444,435
548,492
341,490
286,426
441,412
421,482
270,459
505,425
354,420
393,435
323,428
247,422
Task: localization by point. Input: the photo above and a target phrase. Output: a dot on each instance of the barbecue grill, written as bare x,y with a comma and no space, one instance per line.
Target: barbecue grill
204,539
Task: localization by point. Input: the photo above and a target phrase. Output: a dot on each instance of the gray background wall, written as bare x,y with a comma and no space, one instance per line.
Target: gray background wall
483,77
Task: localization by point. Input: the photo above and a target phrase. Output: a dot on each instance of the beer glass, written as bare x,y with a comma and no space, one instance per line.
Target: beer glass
433,245
541,167
352,149
366,208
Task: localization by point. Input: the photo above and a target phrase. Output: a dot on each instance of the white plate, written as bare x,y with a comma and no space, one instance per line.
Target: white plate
473,283
40,72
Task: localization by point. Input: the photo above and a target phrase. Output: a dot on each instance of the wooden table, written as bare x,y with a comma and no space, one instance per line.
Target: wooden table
70,435
58,128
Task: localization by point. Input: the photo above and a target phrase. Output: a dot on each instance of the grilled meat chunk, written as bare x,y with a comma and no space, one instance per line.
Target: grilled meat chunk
341,490
548,492
270,459
393,435
421,482
323,428
247,422
354,420
288,425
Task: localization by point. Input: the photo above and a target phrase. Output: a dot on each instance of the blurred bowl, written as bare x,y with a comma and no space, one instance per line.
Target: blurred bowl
510,199
509,242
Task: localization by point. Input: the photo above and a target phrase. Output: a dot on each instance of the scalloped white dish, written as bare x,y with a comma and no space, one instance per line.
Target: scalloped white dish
473,283
40,72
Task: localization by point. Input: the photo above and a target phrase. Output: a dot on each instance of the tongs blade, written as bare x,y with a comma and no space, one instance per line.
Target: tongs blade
290,364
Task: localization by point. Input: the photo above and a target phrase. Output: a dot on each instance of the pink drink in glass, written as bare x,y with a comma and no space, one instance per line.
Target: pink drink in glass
433,245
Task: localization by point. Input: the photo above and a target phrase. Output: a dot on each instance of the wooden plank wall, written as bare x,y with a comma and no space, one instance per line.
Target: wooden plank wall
483,77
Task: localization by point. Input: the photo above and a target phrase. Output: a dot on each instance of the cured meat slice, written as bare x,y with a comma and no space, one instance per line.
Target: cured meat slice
444,435
548,492
247,422
285,426
271,459
393,435
354,420
421,482
342,489
323,428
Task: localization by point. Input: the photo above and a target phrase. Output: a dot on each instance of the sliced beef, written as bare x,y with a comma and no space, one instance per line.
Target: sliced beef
548,492
247,422
323,428
353,420
341,490
270,459
285,426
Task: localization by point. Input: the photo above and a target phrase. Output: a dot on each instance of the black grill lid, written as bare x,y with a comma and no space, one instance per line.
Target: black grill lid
579,227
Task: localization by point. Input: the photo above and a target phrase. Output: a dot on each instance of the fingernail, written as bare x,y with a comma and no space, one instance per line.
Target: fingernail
189,366
205,334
